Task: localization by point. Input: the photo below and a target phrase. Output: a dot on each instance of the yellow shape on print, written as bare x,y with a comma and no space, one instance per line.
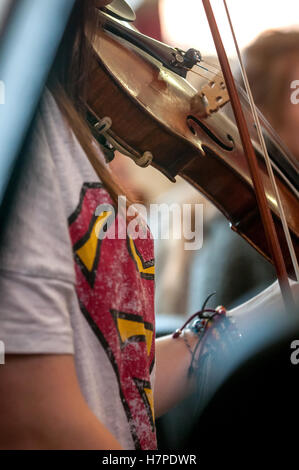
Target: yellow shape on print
141,269
87,252
129,328
149,339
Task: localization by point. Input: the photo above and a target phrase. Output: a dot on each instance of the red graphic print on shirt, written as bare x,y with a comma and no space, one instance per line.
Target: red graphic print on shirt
115,288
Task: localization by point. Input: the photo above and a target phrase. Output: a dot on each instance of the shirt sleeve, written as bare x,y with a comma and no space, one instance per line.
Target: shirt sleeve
37,278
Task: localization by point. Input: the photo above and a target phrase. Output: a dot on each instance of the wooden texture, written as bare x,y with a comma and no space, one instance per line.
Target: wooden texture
150,108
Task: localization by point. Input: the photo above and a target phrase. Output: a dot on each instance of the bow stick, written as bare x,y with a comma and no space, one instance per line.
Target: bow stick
270,231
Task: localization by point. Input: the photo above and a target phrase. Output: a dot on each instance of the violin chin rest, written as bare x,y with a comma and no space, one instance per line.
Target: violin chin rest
120,10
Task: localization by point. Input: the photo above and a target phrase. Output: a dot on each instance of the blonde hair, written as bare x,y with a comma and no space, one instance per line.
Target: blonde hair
270,61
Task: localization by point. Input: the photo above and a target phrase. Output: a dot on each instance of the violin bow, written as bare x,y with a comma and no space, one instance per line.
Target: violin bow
265,213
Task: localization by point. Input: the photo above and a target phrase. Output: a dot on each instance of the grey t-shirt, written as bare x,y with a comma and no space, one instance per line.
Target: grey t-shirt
64,292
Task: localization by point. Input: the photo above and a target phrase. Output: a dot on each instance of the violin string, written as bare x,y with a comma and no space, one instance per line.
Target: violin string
201,67
264,148
219,69
207,70
220,75
215,66
199,74
210,71
211,65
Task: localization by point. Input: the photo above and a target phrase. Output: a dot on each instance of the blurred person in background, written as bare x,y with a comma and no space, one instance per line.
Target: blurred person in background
272,64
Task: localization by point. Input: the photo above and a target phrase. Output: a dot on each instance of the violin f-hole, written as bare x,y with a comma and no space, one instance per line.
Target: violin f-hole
193,122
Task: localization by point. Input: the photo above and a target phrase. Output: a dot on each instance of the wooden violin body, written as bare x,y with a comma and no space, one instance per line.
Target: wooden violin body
150,108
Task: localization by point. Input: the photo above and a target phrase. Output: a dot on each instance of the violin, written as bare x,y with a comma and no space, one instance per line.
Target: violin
141,103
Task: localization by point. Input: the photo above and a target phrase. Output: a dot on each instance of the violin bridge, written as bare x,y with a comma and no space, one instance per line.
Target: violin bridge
211,97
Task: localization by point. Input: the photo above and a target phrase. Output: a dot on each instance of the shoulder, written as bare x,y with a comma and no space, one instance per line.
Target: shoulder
66,151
